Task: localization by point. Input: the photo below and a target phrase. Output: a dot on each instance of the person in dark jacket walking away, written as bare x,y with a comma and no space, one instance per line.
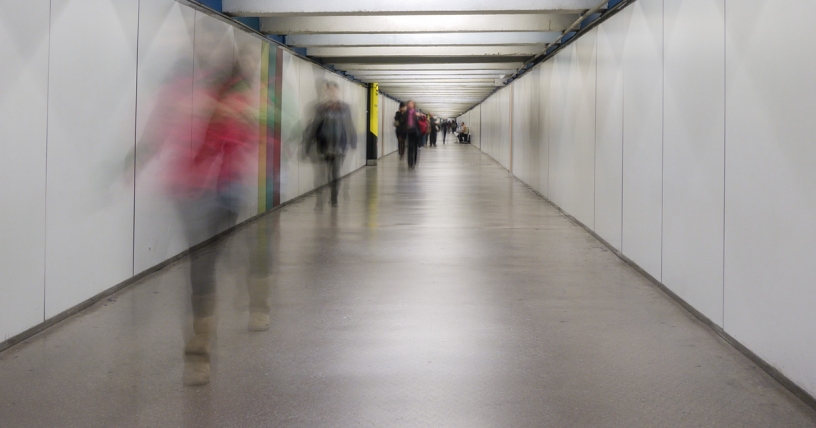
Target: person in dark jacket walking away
332,132
399,125
434,127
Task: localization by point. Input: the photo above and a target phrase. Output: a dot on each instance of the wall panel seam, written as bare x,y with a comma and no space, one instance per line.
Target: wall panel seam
47,121
595,141
135,136
662,133
725,143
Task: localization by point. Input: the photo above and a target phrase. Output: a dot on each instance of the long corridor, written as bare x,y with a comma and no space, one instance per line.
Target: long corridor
445,296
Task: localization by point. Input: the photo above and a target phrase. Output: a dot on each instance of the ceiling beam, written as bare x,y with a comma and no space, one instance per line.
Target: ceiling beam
431,73
431,67
423,39
454,78
417,24
432,51
413,7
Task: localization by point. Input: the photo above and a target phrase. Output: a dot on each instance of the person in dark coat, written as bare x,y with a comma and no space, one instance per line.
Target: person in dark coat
434,130
399,125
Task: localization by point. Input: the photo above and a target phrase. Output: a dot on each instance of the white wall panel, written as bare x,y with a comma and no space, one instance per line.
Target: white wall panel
545,75
350,96
532,157
499,120
362,124
770,188
475,129
89,221
384,127
164,104
643,136
520,125
559,137
486,120
357,97
388,136
290,127
693,153
572,137
609,128
383,122
23,124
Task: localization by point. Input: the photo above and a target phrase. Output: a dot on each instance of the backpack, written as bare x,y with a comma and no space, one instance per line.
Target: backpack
423,125
331,132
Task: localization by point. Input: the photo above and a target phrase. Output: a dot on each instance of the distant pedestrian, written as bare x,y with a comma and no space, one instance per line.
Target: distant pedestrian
412,133
399,125
434,129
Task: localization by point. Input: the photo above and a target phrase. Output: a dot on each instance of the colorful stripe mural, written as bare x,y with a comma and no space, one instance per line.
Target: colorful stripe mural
269,140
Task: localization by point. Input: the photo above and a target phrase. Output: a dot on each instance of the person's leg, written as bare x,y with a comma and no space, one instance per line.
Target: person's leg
334,166
412,149
200,218
258,281
401,145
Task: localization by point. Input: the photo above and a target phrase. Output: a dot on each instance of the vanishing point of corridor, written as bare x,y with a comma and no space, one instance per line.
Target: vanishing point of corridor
445,296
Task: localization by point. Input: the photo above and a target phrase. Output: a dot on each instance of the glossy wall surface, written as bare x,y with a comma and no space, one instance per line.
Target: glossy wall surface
83,84
24,51
496,127
89,207
388,137
673,132
770,190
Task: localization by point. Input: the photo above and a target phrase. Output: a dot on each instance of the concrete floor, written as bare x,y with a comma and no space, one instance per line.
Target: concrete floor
446,296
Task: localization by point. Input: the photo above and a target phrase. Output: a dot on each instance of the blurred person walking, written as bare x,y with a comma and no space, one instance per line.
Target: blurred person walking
434,129
332,134
204,165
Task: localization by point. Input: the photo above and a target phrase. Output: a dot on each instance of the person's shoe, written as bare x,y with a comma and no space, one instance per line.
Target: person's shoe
259,321
200,344
197,351
196,370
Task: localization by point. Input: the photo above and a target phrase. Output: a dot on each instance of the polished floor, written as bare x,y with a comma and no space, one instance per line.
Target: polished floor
445,296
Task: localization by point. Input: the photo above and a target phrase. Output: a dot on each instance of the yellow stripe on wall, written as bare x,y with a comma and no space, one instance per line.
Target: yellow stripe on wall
374,109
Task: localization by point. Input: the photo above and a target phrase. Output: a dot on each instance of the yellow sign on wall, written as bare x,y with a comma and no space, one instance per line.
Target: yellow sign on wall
374,109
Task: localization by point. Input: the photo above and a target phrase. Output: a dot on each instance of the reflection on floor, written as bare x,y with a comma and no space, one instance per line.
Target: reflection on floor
445,296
